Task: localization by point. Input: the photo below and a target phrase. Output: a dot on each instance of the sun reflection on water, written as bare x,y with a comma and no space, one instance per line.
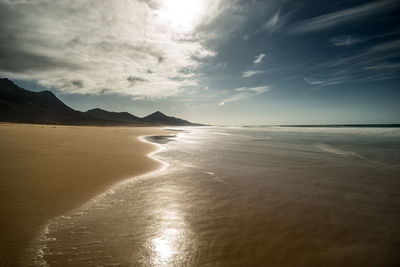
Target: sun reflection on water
168,243
164,245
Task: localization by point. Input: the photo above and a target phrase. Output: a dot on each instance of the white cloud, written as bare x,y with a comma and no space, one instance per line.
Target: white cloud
250,73
339,17
243,93
123,46
259,58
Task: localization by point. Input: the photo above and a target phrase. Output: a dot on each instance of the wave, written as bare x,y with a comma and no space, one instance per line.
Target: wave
392,132
229,134
215,177
337,151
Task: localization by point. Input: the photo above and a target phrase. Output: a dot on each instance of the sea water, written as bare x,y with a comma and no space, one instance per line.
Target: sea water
244,196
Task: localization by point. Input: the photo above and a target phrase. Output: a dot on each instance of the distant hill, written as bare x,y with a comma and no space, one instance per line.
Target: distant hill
160,118
121,117
20,105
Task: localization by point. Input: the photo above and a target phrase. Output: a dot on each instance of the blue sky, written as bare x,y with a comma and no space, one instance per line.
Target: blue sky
217,62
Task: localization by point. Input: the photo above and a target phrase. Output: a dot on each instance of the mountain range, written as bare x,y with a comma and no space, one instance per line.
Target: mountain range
24,106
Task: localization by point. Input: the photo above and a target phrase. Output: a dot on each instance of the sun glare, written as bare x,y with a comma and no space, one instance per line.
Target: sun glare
182,15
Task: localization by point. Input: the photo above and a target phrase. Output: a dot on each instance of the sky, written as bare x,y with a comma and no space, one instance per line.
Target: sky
211,61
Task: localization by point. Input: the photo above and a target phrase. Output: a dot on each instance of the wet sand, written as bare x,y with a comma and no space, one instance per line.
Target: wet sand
47,170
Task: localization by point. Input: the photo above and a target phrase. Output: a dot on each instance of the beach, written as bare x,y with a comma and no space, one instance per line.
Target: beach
219,196
243,196
47,170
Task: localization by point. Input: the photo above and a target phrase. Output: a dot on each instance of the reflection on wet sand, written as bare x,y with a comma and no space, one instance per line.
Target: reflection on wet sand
168,229
165,246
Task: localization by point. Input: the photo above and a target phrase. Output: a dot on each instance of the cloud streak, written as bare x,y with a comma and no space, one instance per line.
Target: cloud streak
326,81
348,40
340,17
345,41
257,90
250,73
243,93
376,63
272,23
276,22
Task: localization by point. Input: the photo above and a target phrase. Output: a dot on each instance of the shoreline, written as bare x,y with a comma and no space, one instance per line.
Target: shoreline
34,250
150,155
43,165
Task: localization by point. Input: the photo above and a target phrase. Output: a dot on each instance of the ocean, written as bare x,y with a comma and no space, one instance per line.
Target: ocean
243,196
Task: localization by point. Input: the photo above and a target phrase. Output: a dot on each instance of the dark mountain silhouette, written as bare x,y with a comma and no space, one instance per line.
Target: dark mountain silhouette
159,118
121,117
11,93
20,105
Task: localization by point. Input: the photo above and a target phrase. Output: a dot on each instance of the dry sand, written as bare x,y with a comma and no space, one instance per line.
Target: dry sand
48,170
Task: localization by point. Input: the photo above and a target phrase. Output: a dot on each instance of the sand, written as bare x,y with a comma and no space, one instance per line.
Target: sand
48,170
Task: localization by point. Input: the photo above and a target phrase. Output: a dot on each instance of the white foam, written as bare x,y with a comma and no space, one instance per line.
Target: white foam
337,151
215,177
367,131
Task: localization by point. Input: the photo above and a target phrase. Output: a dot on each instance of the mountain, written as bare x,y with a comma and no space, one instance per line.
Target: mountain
20,105
11,93
159,118
121,117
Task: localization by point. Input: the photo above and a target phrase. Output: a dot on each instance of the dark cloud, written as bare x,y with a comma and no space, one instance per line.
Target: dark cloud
14,59
105,91
106,46
77,83
15,54
134,80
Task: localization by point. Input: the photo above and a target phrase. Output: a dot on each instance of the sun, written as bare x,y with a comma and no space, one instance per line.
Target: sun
182,15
